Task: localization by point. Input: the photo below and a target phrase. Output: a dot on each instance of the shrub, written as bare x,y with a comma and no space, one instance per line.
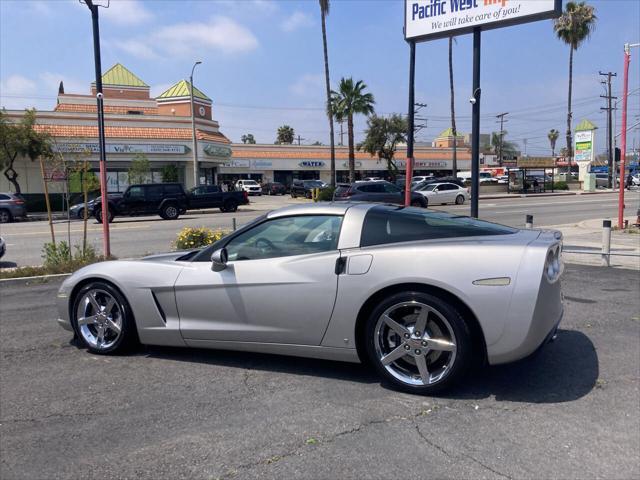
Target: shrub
190,237
326,194
59,255
169,173
560,186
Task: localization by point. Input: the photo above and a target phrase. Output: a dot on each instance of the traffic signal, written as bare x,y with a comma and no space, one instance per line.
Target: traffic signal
616,155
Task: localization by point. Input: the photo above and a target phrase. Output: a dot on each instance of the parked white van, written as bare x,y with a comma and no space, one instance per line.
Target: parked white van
485,177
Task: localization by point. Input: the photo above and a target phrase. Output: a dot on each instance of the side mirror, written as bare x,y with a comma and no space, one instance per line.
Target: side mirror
219,260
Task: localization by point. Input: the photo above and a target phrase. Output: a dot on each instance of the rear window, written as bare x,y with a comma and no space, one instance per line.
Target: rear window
4,197
387,224
341,190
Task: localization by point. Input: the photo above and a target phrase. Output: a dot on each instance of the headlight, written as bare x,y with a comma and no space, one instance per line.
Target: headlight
553,264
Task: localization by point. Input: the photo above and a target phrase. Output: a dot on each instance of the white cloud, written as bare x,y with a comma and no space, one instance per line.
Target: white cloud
220,33
17,91
295,21
127,12
136,48
309,86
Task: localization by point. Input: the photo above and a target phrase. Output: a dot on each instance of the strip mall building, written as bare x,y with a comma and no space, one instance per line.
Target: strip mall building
160,128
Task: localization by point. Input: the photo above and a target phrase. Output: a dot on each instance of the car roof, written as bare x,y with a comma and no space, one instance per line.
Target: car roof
320,208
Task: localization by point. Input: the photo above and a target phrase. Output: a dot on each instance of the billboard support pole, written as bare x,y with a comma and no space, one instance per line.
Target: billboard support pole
623,138
410,118
475,125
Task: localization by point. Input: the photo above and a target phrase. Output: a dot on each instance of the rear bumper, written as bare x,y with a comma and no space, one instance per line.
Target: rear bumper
18,211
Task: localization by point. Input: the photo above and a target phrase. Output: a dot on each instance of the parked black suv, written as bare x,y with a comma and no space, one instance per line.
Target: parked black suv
376,191
168,200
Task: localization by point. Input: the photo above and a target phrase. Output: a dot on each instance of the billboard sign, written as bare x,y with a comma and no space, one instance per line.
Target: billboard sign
122,148
431,19
583,146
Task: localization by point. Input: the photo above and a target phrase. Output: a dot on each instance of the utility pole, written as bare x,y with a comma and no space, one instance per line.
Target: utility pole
524,140
609,109
502,120
300,140
419,126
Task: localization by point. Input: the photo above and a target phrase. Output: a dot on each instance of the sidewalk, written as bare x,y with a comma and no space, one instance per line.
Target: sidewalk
586,237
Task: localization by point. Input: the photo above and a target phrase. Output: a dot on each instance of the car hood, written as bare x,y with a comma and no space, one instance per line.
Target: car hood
166,257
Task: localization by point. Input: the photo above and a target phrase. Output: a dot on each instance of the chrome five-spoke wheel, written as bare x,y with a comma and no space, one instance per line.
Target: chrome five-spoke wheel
101,317
417,341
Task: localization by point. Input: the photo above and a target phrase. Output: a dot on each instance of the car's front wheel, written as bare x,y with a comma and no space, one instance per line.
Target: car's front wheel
230,206
102,319
5,216
98,215
418,342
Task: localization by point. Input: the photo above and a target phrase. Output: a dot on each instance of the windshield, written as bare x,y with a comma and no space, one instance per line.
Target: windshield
429,187
249,182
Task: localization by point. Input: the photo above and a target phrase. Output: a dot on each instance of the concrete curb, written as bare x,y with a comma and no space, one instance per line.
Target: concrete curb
36,277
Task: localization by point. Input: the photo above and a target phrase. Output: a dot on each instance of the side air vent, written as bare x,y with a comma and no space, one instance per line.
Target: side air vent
160,311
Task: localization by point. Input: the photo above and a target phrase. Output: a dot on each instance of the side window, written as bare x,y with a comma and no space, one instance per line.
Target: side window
4,197
288,236
172,189
390,188
154,193
136,193
198,191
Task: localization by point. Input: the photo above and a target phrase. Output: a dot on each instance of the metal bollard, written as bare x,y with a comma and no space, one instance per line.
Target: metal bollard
606,243
529,222
233,220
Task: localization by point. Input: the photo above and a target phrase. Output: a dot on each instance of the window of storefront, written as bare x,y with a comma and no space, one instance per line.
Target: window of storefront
118,178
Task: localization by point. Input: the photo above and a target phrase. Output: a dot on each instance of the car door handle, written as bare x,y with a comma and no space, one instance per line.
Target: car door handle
341,265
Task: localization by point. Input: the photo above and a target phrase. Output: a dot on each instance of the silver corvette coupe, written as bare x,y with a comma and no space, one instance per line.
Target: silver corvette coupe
419,294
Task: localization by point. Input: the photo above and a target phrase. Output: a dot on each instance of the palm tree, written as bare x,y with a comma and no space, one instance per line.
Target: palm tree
348,101
454,132
573,27
553,136
285,135
324,11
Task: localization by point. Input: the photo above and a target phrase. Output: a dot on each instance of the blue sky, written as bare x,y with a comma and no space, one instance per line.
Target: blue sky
263,64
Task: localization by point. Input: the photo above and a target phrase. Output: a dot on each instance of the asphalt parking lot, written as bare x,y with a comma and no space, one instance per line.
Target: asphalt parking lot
573,411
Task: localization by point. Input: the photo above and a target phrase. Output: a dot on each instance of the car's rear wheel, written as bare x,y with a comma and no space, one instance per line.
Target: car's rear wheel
102,319
80,213
293,195
459,199
98,215
418,342
230,206
170,212
5,216
416,203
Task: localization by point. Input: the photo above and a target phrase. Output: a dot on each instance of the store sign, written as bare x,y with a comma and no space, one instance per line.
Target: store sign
312,164
430,19
217,151
583,146
536,162
121,148
358,164
423,164
237,164
262,164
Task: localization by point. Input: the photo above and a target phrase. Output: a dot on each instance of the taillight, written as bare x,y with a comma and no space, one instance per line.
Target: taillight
245,194
16,202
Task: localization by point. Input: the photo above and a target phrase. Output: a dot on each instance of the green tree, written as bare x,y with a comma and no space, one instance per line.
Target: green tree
324,11
573,27
383,136
248,138
348,101
169,173
498,144
553,137
21,140
140,169
454,131
285,135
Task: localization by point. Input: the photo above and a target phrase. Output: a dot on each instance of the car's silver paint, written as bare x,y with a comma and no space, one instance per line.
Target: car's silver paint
286,305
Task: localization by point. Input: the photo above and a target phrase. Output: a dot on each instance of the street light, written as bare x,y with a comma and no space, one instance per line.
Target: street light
93,7
196,175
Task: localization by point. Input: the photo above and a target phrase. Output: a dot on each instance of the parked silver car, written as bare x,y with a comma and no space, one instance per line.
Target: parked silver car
12,206
422,295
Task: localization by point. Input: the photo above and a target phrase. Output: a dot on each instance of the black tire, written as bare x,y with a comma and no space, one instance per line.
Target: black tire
293,195
460,200
5,216
128,336
460,360
170,211
81,213
416,203
98,215
230,206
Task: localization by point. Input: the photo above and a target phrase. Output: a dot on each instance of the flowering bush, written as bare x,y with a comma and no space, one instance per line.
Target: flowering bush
190,237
